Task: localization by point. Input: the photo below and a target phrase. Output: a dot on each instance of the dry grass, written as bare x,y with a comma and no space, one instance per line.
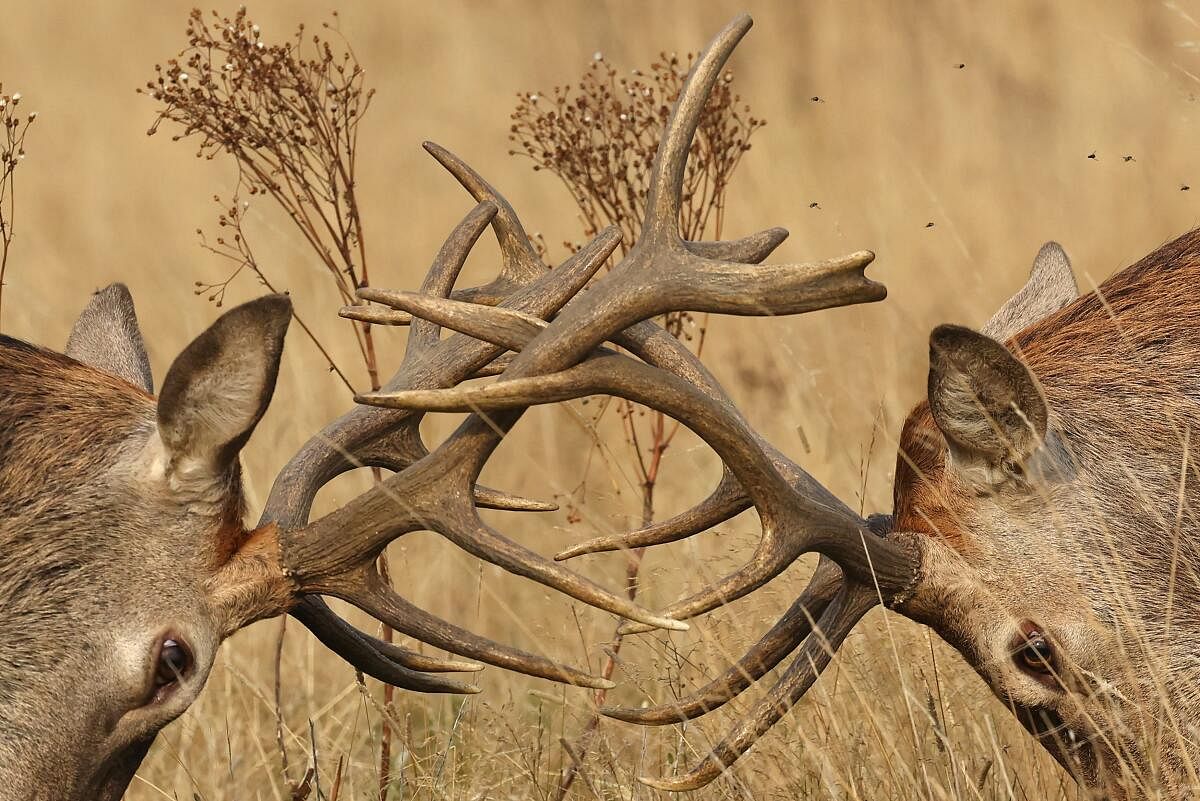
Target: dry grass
994,154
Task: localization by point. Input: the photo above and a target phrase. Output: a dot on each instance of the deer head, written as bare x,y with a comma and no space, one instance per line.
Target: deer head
117,515
1049,472
125,561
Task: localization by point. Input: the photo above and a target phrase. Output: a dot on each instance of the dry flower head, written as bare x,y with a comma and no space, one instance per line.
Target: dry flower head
600,136
288,115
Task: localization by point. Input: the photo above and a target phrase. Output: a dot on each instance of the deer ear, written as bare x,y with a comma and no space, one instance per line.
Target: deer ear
984,400
219,387
1051,286
106,336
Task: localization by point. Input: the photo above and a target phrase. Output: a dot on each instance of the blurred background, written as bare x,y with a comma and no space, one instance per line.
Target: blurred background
951,139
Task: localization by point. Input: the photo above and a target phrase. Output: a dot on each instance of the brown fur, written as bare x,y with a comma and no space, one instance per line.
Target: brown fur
56,415
918,504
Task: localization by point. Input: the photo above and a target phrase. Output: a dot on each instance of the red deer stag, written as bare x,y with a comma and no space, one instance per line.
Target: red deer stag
124,561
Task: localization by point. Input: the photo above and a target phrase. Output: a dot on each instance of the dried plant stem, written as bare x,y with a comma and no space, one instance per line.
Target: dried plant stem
6,222
279,737
336,790
577,763
385,735
242,255
12,153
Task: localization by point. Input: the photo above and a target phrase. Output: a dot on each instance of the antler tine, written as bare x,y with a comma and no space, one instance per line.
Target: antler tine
783,638
382,660
375,316
486,498
725,502
428,664
371,594
520,263
749,249
445,269
666,184
495,367
506,327
847,608
485,542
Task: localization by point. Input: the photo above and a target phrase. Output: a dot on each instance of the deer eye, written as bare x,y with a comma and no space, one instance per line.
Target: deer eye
174,662
1034,652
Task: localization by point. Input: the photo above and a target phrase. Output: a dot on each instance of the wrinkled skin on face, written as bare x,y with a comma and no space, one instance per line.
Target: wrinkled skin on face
116,514
1053,481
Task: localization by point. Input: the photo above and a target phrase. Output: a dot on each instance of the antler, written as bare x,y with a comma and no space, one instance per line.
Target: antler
335,555
563,359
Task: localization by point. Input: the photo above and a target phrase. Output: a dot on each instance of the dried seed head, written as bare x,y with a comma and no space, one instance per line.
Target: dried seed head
287,113
600,136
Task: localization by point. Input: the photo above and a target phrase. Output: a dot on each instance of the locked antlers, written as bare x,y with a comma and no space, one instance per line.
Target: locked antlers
564,359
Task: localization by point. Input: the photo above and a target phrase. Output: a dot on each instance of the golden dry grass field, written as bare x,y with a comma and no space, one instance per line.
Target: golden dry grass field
996,155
